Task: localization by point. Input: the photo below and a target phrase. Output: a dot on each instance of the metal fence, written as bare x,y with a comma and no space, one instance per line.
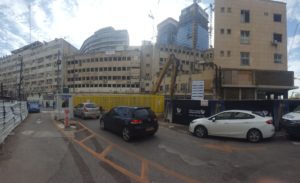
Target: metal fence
11,115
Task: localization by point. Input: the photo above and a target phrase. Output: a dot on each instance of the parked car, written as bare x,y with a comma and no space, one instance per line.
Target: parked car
291,122
33,107
130,121
86,110
234,123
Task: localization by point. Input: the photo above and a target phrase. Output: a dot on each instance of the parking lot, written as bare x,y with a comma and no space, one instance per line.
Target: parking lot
208,160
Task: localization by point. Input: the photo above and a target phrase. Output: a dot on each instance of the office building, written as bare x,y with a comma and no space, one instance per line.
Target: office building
106,39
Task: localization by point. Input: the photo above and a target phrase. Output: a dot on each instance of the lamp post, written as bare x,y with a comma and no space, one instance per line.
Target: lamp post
21,77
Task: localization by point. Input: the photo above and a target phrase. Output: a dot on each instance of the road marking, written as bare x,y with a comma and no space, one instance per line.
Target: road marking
39,121
145,164
227,148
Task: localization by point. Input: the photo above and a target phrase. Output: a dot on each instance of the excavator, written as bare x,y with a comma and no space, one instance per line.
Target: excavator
172,60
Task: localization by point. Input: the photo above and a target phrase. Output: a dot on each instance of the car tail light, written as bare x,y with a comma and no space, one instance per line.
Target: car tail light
270,122
85,110
136,121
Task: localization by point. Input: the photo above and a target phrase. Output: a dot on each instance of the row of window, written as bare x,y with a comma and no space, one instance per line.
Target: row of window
104,85
202,55
245,15
245,58
99,69
245,36
100,78
101,59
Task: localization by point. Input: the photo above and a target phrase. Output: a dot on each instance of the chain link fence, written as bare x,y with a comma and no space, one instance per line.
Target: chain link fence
11,115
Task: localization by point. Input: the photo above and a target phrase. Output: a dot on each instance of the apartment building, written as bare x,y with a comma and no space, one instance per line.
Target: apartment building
250,46
36,66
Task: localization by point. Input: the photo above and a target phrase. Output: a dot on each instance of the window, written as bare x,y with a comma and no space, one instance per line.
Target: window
228,10
228,31
228,53
277,58
222,9
277,37
245,16
245,35
224,116
222,53
240,115
266,13
222,31
245,60
277,17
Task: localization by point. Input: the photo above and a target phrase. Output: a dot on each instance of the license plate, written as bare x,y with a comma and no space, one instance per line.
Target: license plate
150,129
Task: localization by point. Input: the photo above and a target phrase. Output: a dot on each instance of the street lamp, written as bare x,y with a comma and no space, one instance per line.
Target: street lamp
21,77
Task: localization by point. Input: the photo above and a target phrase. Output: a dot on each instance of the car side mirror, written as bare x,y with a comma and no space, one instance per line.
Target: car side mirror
213,119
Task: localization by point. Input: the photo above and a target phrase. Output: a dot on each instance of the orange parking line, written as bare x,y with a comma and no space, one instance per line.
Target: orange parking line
145,171
106,151
88,137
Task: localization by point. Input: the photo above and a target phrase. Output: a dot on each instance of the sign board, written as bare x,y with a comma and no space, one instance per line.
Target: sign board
198,90
65,96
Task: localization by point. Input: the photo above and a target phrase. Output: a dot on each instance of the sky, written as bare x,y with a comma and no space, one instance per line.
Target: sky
76,20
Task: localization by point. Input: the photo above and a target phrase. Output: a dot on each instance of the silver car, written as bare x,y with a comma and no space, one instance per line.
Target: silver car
87,110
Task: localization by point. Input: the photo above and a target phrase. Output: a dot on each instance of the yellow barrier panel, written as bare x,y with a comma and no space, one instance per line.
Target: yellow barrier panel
155,102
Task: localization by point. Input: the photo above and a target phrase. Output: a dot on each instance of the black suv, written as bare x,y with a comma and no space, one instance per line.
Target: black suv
130,121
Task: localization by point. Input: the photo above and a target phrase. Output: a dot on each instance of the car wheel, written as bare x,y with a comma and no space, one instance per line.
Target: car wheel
254,135
200,131
126,134
102,125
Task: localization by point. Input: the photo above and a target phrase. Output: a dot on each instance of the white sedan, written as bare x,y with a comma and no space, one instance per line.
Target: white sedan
234,123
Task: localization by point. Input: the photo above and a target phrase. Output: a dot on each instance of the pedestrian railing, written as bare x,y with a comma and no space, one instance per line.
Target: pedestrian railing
11,115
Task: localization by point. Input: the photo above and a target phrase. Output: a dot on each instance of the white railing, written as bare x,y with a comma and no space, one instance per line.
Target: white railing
11,115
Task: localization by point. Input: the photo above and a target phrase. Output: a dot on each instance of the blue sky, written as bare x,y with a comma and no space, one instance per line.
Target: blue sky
75,20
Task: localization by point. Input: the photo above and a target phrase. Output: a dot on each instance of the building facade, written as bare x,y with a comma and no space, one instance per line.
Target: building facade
193,28
106,39
36,65
167,31
250,46
104,72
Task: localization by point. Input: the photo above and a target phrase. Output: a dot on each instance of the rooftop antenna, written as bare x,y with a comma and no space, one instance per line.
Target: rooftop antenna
29,7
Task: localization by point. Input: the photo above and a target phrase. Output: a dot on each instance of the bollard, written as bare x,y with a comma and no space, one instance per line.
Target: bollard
1,149
67,118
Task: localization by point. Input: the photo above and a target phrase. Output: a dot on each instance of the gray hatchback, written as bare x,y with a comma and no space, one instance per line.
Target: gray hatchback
86,110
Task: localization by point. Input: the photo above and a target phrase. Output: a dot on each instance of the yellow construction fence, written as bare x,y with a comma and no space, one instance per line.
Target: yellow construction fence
155,102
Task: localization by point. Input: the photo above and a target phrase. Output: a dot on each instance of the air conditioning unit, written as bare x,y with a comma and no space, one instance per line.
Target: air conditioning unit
274,42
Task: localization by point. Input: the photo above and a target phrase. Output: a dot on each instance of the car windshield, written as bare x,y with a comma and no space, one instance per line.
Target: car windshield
90,106
297,109
34,105
142,113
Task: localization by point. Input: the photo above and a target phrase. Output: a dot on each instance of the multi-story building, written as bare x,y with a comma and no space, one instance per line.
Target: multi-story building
193,65
105,72
36,65
106,39
167,31
193,28
251,47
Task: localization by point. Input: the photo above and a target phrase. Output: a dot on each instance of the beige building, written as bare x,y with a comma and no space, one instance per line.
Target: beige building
104,72
251,47
39,71
193,66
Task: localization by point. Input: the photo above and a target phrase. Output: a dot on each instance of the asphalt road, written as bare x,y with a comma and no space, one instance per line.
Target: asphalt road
39,150
213,159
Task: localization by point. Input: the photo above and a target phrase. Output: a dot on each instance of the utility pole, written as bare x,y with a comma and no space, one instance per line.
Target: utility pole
21,77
